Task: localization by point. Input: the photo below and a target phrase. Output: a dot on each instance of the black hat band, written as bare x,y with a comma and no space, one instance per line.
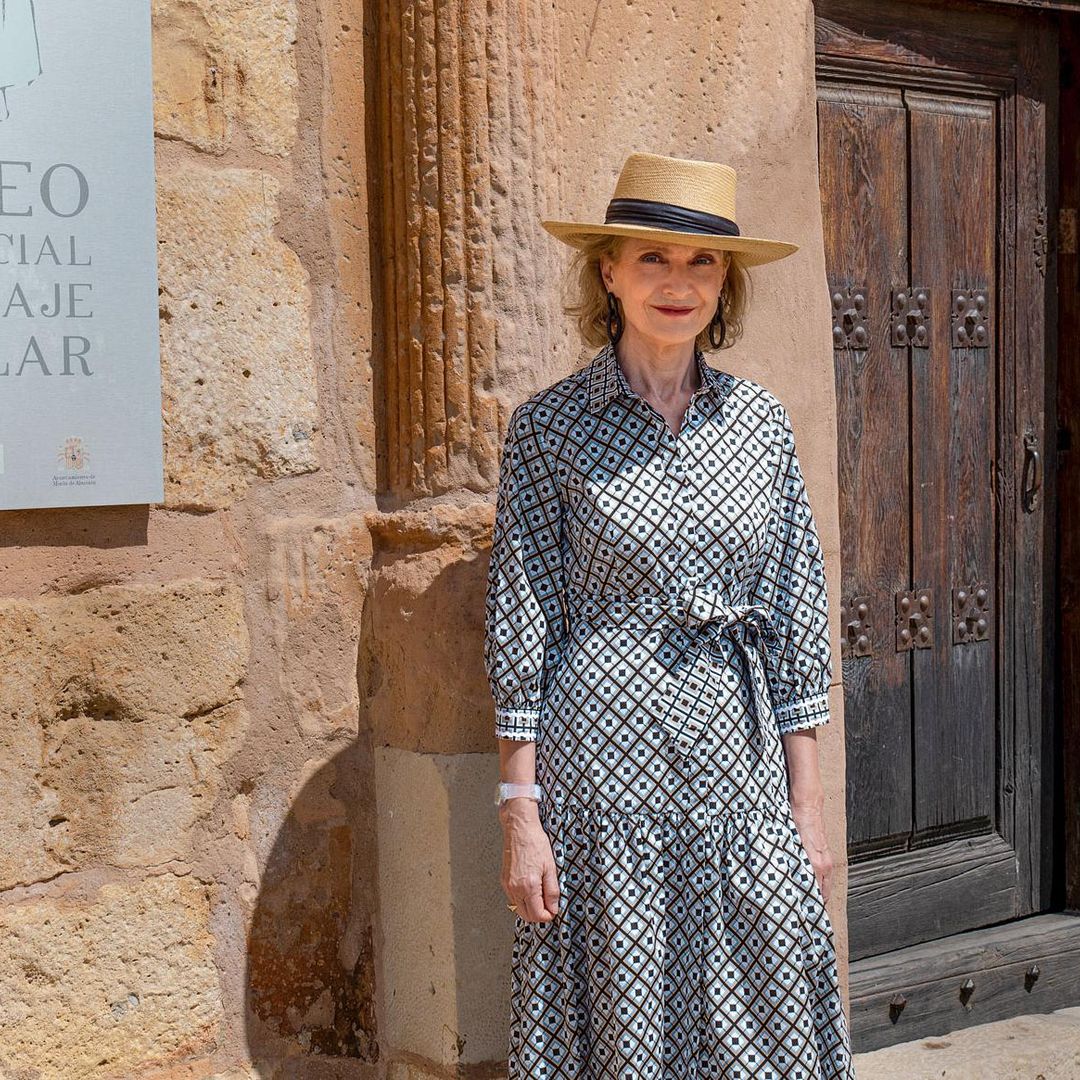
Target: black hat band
662,215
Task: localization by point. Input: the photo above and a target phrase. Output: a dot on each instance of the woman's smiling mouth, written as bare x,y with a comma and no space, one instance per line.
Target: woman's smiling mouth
674,310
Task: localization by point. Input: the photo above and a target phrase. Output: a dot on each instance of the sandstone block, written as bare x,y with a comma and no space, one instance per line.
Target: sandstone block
317,586
446,932
309,965
118,709
106,980
223,63
199,1070
428,691
238,370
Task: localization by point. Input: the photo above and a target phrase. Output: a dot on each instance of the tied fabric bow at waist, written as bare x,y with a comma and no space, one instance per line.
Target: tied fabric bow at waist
689,692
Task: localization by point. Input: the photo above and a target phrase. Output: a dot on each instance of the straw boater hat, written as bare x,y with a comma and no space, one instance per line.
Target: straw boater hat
676,201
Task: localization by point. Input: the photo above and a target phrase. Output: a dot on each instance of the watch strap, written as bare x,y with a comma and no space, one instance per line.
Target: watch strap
507,790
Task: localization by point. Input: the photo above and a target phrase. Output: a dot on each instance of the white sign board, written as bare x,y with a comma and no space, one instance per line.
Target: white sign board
80,375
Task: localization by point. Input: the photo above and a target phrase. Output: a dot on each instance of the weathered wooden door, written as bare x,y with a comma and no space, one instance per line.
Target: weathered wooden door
933,140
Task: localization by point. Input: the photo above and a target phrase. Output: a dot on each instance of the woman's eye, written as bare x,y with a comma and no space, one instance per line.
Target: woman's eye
708,259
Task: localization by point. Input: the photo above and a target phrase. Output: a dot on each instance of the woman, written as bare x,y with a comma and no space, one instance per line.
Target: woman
657,644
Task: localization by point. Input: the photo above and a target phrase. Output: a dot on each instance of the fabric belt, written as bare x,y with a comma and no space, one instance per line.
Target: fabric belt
689,693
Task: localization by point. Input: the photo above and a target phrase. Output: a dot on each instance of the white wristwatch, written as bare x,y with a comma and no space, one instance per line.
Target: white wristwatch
504,791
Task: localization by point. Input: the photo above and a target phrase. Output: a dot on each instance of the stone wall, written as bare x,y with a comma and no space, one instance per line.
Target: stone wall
246,738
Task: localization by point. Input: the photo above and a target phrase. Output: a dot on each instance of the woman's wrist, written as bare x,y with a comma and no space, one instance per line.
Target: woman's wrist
519,811
807,798
807,808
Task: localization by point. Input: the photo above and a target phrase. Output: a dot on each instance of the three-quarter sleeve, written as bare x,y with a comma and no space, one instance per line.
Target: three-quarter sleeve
791,583
524,610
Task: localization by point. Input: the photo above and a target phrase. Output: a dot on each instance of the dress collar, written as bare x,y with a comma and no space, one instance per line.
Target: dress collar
606,379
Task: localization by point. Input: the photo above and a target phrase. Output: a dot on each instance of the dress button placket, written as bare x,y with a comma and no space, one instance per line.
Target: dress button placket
683,497
672,481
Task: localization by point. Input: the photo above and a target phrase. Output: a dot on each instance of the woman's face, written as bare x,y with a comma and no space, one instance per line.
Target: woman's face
668,292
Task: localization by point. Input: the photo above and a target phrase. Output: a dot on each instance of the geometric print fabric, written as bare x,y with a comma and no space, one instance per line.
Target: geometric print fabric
656,620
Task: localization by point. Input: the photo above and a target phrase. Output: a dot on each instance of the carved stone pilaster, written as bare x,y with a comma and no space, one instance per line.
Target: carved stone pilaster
463,272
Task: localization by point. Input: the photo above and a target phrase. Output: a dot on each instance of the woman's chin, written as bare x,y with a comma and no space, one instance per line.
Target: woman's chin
670,334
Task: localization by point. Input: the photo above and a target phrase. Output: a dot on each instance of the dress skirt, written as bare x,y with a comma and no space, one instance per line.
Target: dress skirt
691,941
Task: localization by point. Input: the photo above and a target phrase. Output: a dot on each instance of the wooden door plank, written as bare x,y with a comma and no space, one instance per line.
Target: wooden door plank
862,154
1035,380
953,233
930,978
929,893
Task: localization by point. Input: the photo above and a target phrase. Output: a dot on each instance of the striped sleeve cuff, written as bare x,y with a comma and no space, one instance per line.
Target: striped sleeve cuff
807,712
517,723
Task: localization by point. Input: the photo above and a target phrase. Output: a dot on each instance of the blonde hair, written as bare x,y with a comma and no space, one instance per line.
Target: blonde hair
588,303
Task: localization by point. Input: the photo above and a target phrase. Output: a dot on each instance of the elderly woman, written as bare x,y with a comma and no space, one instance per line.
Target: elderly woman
657,645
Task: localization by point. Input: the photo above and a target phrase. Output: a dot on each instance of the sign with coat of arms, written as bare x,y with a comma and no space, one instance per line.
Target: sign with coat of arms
80,376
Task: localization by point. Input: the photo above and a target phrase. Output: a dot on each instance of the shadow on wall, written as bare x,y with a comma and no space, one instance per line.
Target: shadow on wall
310,980
387,865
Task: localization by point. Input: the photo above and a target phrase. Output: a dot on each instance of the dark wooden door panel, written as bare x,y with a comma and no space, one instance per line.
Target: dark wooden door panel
932,152
919,515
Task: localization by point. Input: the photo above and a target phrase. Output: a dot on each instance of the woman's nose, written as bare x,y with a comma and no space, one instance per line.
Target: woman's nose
677,282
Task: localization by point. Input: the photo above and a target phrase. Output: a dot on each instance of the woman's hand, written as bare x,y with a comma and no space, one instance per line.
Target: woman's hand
808,803
529,876
811,825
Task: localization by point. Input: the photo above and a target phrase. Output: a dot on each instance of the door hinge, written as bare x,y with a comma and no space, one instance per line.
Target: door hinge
914,619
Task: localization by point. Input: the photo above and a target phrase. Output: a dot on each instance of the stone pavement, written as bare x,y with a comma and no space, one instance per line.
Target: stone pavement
1042,1046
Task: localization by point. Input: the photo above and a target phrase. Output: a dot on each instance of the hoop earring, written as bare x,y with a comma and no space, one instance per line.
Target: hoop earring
718,320
614,319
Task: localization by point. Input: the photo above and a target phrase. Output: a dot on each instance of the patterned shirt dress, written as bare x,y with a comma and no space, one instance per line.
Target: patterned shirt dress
656,619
